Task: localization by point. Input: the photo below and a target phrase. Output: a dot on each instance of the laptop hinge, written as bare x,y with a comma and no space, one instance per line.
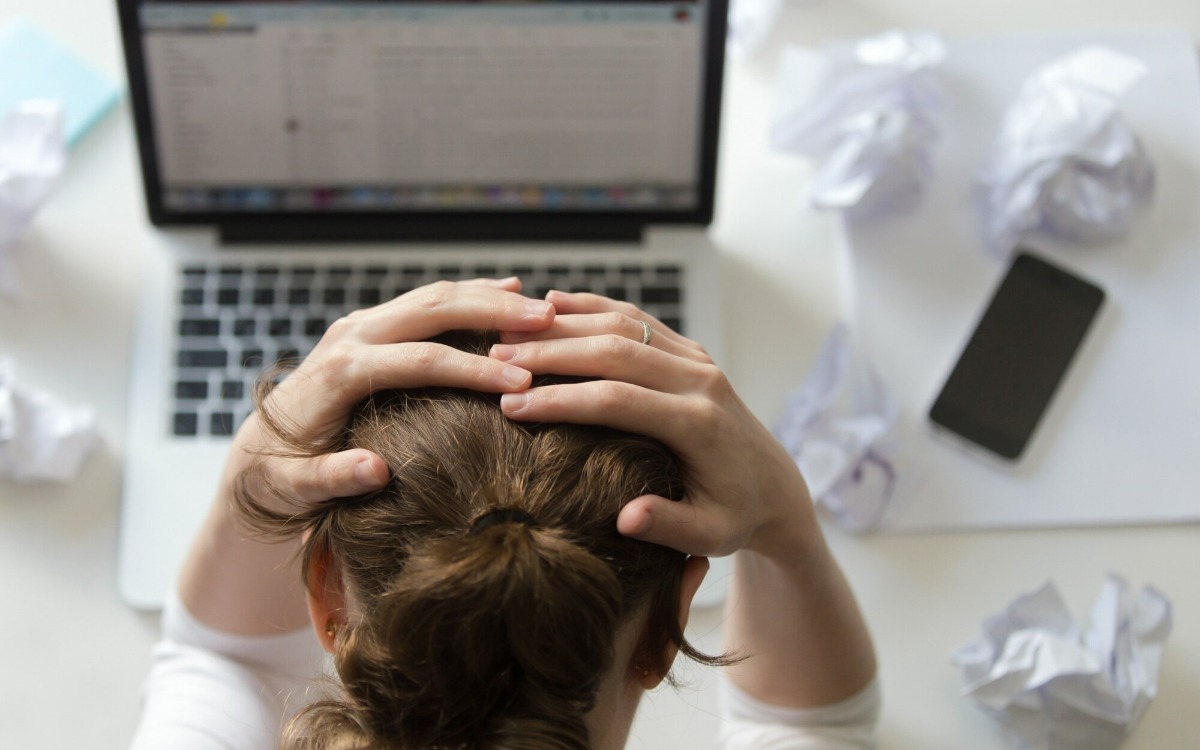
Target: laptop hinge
417,230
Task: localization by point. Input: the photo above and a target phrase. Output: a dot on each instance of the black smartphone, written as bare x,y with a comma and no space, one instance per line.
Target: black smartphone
1020,350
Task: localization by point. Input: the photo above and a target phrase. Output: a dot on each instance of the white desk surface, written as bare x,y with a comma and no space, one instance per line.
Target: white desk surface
74,656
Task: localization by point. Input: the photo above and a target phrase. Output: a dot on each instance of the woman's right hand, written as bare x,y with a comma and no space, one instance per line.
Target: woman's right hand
374,349
744,490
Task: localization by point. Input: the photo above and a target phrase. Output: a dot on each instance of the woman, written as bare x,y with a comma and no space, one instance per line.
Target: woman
229,670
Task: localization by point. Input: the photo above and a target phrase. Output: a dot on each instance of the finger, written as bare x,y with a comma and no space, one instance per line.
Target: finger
611,357
320,397
344,474
422,364
678,524
597,324
621,406
509,283
440,307
573,303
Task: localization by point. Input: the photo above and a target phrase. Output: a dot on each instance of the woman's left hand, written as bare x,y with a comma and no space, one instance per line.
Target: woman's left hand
744,490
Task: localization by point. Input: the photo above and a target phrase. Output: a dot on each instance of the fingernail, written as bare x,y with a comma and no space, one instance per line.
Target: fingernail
515,376
512,403
536,308
503,352
366,476
643,523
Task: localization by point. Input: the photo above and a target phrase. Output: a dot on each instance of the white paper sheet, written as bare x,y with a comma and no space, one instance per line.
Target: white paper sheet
1127,416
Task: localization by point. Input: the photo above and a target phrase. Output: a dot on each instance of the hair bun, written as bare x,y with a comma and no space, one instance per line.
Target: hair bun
498,515
478,633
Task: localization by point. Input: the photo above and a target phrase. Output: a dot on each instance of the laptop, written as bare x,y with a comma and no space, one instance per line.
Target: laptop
304,158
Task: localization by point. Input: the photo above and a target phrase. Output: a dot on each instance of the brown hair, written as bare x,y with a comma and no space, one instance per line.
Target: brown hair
492,638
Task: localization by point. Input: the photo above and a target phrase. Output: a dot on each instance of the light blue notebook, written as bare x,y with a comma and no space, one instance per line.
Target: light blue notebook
49,70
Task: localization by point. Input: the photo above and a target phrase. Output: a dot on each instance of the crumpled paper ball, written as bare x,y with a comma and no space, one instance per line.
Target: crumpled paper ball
750,22
41,438
868,111
1066,161
838,426
1054,684
32,155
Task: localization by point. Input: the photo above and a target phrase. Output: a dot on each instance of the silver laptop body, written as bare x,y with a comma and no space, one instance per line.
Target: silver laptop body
304,159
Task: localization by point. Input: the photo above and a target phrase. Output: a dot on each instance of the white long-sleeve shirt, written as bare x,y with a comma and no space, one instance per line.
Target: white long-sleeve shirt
209,690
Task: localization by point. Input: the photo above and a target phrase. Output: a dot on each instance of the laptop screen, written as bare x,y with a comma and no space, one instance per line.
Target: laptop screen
426,113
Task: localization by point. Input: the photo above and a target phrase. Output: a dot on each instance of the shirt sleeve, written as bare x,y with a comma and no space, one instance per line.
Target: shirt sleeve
210,690
750,724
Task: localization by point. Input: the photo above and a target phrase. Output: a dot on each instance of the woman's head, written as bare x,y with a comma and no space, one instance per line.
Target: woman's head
478,598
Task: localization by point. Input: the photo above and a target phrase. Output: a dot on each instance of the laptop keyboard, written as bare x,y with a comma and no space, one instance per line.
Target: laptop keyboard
234,321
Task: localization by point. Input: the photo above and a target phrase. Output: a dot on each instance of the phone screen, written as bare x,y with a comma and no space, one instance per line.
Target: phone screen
1018,354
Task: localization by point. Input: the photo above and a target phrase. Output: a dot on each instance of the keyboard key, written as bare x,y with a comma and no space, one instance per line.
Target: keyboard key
522,270
199,327
264,297
615,292
233,390
675,324
298,296
559,270
280,327
487,271
449,271
335,296
315,327
252,358
303,272
594,270
231,273
192,297
288,355
191,389
376,272
660,295
267,272
193,273
369,296
227,297
668,269
203,358
244,327
220,423
340,272
185,424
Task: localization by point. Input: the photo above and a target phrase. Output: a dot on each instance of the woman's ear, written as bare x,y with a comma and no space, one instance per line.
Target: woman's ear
694,570
326,598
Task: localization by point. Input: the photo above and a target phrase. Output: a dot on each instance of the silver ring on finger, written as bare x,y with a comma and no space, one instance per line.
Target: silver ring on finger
647,332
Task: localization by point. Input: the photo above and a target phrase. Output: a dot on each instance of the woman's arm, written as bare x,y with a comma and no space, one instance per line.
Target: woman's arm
238,584
791,611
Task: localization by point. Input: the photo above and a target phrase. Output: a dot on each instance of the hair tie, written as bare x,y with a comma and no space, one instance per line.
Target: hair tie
501,515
